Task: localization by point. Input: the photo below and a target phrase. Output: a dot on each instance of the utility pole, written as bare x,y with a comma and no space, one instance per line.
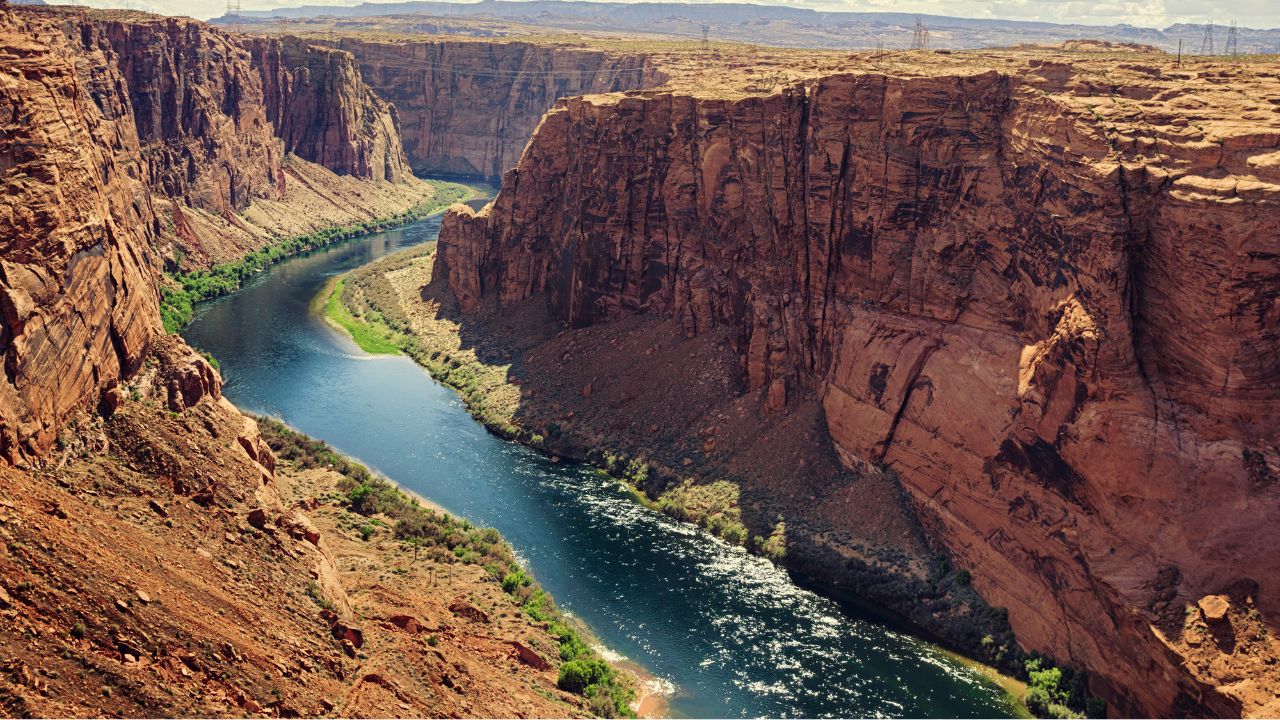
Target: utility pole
1233,40
920,39
1179,52
1206,42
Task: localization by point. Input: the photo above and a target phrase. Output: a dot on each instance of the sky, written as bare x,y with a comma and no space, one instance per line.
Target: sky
1144,13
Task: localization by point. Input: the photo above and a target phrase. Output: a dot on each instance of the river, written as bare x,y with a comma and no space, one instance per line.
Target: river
726,634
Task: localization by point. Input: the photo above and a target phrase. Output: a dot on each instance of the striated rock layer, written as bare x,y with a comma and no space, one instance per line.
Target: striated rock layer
78,302
324,112
469,107
124,132
1047,295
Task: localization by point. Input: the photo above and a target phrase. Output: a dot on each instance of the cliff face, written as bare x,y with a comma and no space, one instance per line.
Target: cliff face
1054,315
324,112
195,102
126,131
78,302
468,108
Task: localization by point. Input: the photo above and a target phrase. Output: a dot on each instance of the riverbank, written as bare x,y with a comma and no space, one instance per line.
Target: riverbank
183,289
389,538
392,306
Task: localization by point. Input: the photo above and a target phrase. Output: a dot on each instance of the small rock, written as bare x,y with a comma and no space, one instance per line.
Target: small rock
686,461
408,623
348,633
464,609
5,600
1214,607
528,656
258,518
143,596
122,605
231,563
158,509
130,658
204,553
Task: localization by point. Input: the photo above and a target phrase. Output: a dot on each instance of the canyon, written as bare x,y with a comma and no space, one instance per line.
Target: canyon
1039,289
158,559
467,107
1014,309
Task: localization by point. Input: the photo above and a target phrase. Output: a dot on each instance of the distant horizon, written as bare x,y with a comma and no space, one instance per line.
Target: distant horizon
1145,14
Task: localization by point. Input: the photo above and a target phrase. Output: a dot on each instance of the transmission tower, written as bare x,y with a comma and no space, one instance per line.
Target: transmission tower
1233,40
920,39
706,36
1206,42
233,14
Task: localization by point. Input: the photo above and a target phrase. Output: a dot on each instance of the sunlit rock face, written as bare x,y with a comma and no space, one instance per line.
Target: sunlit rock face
1055,316
120,125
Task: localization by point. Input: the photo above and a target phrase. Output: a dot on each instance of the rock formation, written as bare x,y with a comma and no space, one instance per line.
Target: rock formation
157,562
1045,293
123,132
77,274
469,107
324,112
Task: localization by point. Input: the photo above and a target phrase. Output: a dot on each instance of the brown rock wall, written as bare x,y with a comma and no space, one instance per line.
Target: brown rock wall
1063,342
324,112
469,107
77,275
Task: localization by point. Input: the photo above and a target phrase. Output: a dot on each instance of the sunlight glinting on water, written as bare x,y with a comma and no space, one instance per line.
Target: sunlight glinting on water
722,632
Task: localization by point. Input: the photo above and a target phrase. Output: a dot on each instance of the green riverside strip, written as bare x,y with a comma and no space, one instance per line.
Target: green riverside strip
177,303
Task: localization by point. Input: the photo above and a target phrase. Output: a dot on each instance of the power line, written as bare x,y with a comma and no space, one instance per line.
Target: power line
920,38
233,14
1233,40
1206,42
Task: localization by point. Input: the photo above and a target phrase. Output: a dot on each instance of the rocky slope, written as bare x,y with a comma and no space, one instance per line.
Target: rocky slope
1042,291
164,564
469,107
156,560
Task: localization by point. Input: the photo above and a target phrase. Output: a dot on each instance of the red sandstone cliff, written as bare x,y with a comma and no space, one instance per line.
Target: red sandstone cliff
469,107
125,131
78,301
323,111
1047,297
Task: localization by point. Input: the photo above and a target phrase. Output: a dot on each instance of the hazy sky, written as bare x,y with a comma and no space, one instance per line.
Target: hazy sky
1148,13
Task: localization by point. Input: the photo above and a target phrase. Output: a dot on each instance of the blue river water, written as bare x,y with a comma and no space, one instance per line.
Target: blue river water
724,633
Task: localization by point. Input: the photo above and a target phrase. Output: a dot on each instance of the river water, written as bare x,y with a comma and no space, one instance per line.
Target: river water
726,634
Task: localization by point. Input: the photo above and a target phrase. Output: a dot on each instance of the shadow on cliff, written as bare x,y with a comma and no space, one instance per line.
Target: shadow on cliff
636,398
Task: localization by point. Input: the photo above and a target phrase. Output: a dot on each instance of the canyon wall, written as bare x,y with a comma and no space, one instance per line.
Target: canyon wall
324,112
468,107
78,303
125,132
1054,316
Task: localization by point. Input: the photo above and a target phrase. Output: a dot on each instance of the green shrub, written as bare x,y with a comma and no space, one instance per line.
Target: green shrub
577,675
516,580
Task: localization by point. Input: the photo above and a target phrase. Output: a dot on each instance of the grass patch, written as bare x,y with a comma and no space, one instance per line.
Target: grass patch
375,339
368,296
178,299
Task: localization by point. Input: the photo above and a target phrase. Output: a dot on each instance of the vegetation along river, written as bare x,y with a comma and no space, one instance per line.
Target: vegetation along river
727,634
